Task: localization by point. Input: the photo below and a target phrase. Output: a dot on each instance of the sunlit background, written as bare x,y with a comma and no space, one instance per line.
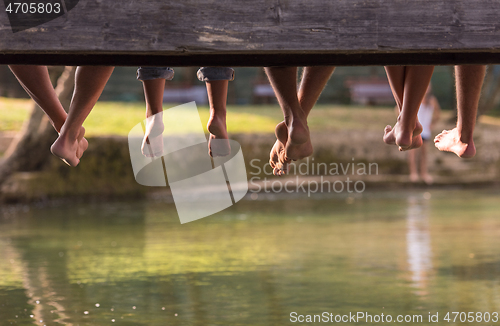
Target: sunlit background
89,246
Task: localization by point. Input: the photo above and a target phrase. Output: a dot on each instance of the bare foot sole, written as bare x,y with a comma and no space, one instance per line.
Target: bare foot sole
292,144
428,180
449,141
298,145
413,177
66,150
152,144
405,139
218,143
278,150
296,150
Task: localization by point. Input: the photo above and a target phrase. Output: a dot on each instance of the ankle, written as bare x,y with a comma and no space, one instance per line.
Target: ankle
296,127
464,135
69,134
465,138
217,119
219,109
58,124
57,127
150,111
407,122
155,118
288,120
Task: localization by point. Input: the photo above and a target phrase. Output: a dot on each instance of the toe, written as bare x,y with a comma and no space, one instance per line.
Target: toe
85,144
444,133
440,136
389,135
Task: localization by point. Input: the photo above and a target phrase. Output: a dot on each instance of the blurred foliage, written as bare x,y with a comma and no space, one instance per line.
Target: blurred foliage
123,85
13,112
118,118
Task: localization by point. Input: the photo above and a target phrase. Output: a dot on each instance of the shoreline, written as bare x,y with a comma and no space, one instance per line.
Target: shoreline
106,172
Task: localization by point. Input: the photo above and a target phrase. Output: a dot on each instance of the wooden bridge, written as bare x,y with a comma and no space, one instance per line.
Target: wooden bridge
251,33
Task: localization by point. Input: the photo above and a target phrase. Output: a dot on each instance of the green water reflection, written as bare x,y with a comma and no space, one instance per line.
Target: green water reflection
127,263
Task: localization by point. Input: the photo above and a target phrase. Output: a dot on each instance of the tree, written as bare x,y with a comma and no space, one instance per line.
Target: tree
491,91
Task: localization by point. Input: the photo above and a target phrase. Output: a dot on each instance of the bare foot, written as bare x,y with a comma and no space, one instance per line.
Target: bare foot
450,141
69,149
413,177
152,144
218,143
277,155
66,148
427,179
405,139
297,145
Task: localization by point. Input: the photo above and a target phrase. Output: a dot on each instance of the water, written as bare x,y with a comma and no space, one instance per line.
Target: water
133,263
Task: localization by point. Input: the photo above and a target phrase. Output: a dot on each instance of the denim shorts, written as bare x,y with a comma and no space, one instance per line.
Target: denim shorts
149,73
204,73
215,73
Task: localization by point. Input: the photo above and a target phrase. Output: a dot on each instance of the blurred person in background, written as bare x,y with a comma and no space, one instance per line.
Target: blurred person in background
428,115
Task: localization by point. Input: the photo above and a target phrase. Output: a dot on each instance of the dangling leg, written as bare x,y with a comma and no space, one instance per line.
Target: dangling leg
469,80
153,80
284,83
406,131
36,81
217,81
217,95
313,81
89,84
152,144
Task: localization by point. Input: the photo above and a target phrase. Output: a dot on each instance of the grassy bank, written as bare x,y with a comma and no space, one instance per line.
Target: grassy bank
340,134
117,118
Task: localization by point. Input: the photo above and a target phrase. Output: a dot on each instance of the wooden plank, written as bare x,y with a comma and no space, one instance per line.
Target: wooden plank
240,33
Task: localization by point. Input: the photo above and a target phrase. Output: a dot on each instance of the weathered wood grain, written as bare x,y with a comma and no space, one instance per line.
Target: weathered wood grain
261,32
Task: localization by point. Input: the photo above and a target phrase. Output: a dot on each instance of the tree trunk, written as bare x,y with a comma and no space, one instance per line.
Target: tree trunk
491,92
487,87
453,90
31,147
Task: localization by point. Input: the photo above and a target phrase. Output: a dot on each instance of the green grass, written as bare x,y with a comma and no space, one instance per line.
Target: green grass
13,112
118,118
